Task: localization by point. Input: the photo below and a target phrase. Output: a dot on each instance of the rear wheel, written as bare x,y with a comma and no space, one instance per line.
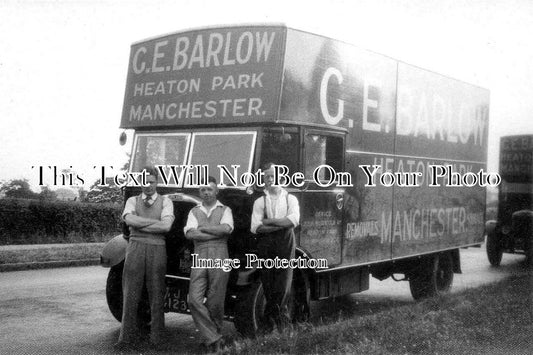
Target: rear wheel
250,310
432,277
114,296
494,248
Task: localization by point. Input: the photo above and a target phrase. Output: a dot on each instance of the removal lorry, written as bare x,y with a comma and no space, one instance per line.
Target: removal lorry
241,96
512,232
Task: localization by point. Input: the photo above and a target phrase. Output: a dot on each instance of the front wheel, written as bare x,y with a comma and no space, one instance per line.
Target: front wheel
113,290
494,248
529,250
432,277
523,226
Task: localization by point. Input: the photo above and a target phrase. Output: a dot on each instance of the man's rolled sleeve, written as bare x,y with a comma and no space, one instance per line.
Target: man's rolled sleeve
167,213
129,207
227,218
257,215
192,223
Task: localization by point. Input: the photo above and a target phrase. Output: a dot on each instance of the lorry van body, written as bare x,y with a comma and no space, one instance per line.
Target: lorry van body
243,96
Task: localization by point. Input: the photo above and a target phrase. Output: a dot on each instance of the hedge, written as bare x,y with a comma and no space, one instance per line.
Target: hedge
43,222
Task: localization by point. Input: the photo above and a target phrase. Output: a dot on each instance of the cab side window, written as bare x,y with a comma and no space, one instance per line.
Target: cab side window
322,150
280,148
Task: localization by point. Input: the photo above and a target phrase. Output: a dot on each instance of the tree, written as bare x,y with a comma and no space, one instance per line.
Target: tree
82,193
126,165
18,188
47,194
103,194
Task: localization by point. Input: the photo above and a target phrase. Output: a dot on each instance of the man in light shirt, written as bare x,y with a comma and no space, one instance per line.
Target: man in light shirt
209,225
274,217
149,217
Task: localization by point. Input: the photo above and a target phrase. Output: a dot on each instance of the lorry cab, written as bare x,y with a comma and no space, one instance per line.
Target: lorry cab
224,101
231,155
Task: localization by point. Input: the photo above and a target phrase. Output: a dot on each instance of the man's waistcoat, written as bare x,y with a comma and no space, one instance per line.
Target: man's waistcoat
213,220
152,212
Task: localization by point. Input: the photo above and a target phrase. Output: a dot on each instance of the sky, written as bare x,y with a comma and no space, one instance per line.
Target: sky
63,64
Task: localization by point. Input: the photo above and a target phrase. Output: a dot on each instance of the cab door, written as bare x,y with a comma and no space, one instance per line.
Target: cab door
321,203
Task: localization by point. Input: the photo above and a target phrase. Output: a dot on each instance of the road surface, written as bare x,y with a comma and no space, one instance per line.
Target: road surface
63,311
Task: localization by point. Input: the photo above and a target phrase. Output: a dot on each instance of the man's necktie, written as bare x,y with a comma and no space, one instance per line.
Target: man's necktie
148,201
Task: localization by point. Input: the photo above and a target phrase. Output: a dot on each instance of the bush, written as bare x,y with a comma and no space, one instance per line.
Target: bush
44,222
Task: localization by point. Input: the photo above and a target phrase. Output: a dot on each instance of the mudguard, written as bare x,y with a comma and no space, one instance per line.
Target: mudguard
490,226
523,214
114,251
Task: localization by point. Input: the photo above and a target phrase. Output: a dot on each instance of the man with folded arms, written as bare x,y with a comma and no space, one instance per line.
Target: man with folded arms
149,217
274,217
209,225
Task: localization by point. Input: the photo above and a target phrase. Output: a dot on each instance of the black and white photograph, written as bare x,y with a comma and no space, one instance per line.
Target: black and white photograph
280,177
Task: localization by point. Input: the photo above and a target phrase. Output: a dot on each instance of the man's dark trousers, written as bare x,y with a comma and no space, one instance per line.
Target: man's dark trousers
276,282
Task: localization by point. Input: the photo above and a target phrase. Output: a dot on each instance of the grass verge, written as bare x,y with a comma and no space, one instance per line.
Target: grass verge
49,252
486,320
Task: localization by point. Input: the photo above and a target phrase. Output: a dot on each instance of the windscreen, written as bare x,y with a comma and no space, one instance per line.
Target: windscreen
222,148
188,159
160,149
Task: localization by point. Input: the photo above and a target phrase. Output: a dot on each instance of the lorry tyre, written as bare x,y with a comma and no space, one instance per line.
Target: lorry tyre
432,277
529,250
251,305
250,310
522,226
494,248
113,290
114,297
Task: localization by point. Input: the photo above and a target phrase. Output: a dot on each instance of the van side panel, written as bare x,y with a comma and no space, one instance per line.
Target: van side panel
426,219
403,119
439,121
439,117
366,235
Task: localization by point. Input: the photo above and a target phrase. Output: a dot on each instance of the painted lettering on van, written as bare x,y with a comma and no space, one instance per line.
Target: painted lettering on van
419,113
435,117
333,75
203,51
417,224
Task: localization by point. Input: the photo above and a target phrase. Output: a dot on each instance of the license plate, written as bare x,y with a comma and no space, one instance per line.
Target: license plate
176,299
